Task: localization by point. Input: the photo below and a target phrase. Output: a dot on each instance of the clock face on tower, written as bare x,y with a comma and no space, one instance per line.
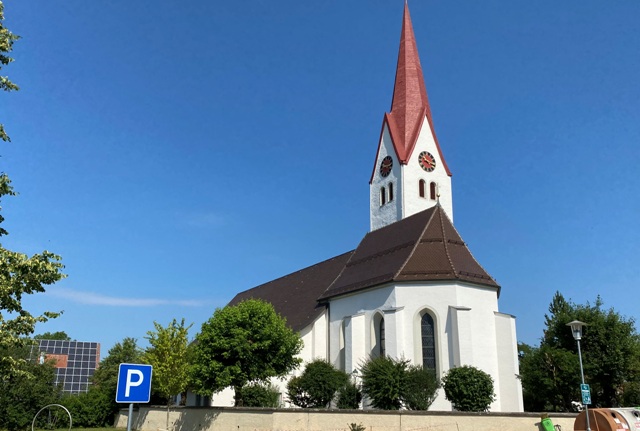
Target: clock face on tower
427,161
385,166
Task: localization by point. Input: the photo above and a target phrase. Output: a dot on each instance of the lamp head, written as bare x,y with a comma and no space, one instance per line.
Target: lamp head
576,329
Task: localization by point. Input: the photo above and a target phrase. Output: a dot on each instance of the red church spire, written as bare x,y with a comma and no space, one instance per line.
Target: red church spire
410,105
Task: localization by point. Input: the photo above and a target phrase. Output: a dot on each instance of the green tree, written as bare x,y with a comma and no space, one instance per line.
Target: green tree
105,379
19,274
23,394
6,46
468,388
247,342
611,358
167,354
384,382
317,386
59,335
422,388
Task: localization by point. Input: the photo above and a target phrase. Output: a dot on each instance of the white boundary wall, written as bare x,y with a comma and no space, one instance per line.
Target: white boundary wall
255,419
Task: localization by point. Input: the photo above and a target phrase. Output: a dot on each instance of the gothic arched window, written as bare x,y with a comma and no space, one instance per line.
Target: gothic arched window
421,187
428,337
390,192
383,196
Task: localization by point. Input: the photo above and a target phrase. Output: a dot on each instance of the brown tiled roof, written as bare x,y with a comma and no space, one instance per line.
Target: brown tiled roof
423,247
294,296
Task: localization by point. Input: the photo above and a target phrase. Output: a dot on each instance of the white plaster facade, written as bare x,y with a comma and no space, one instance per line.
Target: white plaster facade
469,331
405,179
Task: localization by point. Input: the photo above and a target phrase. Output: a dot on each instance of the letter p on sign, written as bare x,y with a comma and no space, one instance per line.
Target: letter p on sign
134,383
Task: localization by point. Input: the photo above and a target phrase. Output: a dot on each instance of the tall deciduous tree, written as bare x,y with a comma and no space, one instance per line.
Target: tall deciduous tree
105,379
610,352
19,274
168,356
247,342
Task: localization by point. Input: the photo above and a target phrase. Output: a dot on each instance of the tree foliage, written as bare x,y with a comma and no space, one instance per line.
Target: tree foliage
102,392
610,352
247,342
23,394
349,396
167,353
58,335
384,382
317,386
261,395
19,274
6,46
468,388
422,388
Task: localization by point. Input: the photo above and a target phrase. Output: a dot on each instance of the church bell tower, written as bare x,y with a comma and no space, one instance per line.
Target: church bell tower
410,173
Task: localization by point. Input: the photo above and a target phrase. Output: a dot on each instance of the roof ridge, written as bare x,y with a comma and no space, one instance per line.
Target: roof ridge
415,245
470,254
445,239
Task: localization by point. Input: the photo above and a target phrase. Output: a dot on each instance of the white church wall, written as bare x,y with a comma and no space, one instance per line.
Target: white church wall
509,369
413,173
465,325
357,337
382,215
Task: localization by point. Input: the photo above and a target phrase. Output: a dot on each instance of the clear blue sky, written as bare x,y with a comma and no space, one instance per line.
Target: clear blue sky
176,153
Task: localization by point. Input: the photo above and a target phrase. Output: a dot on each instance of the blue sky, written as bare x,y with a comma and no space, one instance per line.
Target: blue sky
176,153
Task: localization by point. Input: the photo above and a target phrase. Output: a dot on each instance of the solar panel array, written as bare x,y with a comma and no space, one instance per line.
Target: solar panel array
75,362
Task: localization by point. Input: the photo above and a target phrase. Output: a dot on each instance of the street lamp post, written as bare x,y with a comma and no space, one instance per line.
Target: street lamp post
576,331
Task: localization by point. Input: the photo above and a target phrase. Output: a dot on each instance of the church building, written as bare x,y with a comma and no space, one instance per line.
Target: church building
411,288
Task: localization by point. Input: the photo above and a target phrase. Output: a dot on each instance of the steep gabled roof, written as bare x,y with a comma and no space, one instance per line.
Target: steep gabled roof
423,247
294,296
410,104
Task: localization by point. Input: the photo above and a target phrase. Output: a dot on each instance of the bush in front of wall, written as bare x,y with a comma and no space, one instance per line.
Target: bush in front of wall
260,395
317,386
422,388
384,382
469,389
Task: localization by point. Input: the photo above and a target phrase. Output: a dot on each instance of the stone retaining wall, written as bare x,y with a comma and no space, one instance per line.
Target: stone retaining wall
254,419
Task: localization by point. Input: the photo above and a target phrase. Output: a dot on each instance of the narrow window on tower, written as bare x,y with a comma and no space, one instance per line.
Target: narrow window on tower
432,190
421,187
383,196
390,192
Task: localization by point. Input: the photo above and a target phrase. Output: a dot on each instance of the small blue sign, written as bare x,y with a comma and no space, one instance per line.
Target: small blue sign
586,394
134,383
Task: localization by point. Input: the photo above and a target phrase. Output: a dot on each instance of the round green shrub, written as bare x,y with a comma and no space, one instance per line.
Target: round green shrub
317,386
260,395
384,382
349,396
469,389
422,388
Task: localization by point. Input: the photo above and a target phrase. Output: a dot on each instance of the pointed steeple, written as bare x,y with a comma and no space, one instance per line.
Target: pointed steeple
410,104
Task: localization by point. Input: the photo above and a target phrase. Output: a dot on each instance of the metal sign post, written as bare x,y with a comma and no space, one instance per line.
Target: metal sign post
134,386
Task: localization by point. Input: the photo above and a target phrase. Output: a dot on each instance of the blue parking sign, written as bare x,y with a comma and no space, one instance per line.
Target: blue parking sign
134,383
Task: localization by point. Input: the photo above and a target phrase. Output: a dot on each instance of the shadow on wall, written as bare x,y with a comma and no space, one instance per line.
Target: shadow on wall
180,419
187,422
